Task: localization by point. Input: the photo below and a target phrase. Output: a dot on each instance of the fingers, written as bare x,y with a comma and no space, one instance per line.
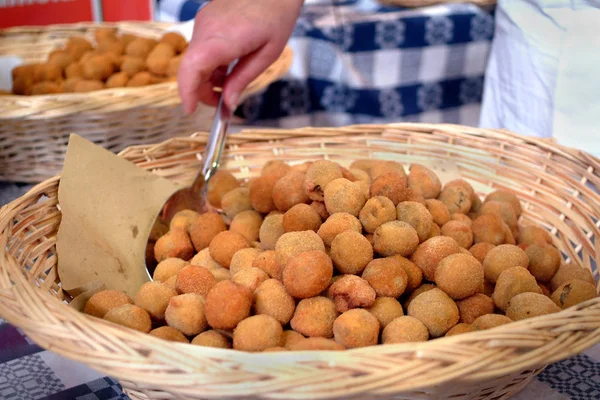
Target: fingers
248,69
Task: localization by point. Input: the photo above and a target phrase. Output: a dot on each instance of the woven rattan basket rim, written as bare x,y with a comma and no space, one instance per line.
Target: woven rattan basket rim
426,3
98,98
476,354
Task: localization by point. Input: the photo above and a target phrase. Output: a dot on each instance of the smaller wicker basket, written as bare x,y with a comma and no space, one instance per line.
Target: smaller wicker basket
34,130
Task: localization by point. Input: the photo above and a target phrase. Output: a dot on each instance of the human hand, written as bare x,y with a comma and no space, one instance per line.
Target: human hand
255,32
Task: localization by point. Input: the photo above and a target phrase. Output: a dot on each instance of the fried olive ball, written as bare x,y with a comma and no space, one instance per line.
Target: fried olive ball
424,181
436,310
460,232
117,80
316,343
529,305
171,282
381,167
318,176
502,257
391,185
227,304
301,217
105,33
84,86
511,282
183,219
236,201
243,259
351,252
139,47
154,298
225,244
416,215
195,279
567,272
175,40
270,231
438,210
174,244
271,298
261,193
376,212
336,224
351,291
47,72
462,218
320,209
356,328
141,79
459,328
360,175
291,338
459,275
267,261
363,165
386,276
132,66
130,316
102,302
212,338
307,274
187,313
474,307
341,195
488,228
159,57
203,259
573,292
97,68
506,197
404,329
395,237
457,198
290,190
414,273
489,321
421,289
221,183
204,228
291,244
80,43
250,277
480,250
314,317
386,309
275,168
257,333
248,224
22,85
533,234
62,58
170,334
429,253
544,261
503,210
46,87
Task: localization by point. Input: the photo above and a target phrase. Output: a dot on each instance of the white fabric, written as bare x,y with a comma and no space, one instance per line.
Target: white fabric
543,76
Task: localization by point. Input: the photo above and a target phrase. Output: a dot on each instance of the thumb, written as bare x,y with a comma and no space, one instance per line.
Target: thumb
197,67
247,69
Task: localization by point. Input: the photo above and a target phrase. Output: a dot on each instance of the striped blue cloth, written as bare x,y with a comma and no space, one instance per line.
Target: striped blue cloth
360,62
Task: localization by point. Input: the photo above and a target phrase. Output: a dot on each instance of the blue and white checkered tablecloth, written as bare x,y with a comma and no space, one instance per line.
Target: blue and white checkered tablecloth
360,62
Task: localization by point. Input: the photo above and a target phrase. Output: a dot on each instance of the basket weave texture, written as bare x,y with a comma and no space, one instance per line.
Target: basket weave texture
559,190
34,130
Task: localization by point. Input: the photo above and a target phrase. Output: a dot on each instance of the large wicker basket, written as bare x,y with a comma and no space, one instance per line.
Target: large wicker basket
34,130
559,188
